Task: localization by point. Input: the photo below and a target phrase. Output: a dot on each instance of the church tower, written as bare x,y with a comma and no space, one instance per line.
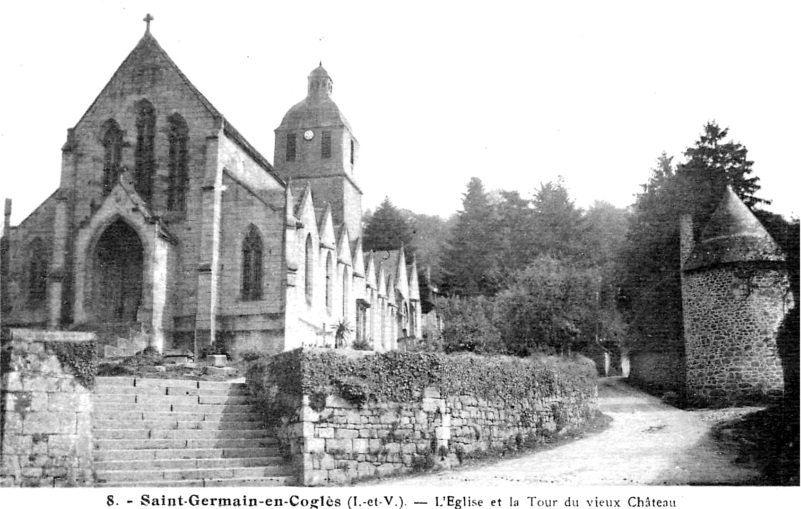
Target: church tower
315,145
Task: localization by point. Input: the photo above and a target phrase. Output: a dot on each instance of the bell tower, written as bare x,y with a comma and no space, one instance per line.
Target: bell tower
315,145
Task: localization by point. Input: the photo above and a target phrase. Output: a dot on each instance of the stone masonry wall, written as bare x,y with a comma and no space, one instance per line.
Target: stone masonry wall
339,442
732,315
46,424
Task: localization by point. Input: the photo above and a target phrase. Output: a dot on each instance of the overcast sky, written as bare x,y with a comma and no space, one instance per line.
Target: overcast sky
515,93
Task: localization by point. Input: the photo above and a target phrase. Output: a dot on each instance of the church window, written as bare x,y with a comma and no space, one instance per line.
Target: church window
144,157
37,282
252,265
309,269
291,146
178,162
329,282
326,144
352,152
112,156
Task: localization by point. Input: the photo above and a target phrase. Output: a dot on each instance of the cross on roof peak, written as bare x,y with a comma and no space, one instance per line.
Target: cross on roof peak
147,19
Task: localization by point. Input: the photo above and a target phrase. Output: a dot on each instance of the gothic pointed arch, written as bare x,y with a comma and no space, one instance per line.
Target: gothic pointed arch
112,154
144,156
252,253
37,271
178,135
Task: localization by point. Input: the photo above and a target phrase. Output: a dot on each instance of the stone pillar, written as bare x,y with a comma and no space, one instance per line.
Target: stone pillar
208,272
58,267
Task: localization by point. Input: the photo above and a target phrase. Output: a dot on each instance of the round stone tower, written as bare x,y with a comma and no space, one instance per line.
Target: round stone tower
315,145
735,294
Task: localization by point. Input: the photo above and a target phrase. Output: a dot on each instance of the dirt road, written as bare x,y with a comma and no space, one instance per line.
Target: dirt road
647,443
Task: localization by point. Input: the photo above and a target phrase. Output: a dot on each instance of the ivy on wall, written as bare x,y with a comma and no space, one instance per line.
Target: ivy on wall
402,376
80,357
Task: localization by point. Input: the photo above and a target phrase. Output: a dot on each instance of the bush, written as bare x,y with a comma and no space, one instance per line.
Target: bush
401,377
468,325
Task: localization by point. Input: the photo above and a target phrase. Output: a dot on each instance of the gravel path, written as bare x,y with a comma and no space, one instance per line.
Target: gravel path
647,443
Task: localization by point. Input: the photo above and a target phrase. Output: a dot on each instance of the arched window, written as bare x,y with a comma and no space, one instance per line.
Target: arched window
178,163
112,155
251,265
329,282
37,274
144,157
309,269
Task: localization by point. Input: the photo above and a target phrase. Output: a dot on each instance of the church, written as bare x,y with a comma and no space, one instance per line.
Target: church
170,230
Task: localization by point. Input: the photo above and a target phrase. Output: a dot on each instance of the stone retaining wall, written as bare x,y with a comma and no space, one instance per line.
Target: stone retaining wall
332,440
46,425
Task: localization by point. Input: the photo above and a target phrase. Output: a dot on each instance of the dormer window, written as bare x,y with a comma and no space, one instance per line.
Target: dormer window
326,151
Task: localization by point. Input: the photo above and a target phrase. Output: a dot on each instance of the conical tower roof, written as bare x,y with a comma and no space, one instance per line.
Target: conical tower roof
733,234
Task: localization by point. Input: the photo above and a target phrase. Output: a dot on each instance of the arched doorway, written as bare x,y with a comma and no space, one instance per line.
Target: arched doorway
117,274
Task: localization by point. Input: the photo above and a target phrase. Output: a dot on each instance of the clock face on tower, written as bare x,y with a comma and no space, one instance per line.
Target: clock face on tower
308,135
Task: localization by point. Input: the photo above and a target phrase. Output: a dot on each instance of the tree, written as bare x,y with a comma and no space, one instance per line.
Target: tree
470,259
387,228
516,233
650,278
467,325
712,164
558,224
551,305
651,289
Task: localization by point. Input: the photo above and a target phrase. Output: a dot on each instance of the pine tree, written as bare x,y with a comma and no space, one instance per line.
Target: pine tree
387,228
558,224
712,164
470,260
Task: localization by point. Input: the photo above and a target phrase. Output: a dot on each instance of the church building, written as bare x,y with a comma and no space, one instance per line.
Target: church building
169,229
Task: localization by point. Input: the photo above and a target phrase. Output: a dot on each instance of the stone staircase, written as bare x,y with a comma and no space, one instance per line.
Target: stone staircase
181,433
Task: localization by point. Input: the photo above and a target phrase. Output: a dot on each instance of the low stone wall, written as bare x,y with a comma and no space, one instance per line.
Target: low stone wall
333,440
46,425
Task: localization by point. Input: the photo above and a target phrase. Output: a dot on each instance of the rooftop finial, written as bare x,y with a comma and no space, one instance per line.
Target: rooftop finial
147,19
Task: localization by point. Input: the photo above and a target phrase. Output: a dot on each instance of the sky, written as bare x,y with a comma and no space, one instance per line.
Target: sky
514,93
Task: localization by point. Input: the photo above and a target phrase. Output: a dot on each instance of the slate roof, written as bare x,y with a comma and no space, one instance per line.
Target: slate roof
733,235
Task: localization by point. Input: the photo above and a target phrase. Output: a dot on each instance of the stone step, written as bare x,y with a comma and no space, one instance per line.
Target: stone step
101,406
231,389
201,443
185,464
178,434
198,473
114,415
159,399
173,424
255,482
157,454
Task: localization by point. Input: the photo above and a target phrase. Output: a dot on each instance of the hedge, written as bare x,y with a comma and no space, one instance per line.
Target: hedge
402,376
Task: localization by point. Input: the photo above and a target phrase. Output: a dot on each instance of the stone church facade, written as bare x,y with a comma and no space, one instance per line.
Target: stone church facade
735,296
167,221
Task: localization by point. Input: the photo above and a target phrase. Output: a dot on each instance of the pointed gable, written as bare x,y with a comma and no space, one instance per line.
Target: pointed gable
147,71
305,212
343,247
733,234
401,280
358,259
370,275
381,280
414,283
327,236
